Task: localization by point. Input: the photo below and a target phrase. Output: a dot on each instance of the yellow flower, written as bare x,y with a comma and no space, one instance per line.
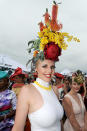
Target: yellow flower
44,40
46,30
47,36
75,38
41,47
51,36
57,39
69,38
65,33
40,34
78,40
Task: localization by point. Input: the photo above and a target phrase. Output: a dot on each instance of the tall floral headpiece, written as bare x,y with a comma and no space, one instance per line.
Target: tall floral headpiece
51,41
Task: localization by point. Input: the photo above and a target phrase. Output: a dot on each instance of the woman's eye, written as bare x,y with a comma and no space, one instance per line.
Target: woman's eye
53,67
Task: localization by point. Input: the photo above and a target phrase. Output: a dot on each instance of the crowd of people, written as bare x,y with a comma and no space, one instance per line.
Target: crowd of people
73,112
44,100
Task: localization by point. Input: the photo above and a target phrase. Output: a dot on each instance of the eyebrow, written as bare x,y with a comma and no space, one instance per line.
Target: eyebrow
47,65
44,65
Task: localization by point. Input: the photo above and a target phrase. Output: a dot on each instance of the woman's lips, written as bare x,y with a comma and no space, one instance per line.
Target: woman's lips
48,75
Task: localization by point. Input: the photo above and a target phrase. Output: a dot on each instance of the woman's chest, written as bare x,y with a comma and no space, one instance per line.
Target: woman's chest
47,107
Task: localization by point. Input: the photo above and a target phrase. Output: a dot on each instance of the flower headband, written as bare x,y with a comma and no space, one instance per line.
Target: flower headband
78,77
51,40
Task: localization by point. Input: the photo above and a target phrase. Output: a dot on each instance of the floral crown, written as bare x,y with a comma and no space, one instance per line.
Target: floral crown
50,41
78,77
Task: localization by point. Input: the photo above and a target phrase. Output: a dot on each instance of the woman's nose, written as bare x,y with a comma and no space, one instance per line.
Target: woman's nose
49,70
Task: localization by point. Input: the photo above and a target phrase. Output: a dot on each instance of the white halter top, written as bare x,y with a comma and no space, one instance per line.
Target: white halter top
48,117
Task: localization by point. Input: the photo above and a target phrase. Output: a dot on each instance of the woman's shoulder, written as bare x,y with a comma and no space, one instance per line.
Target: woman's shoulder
67,95
67,99
79,95
27,90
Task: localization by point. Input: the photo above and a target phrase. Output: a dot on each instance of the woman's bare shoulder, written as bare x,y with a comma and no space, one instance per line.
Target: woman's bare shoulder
26,91
28,87
66,100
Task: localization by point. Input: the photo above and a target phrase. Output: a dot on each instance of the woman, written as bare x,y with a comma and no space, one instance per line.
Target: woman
18,77
7,103
67,83
19,80
39,102
38,99
60,85
74,106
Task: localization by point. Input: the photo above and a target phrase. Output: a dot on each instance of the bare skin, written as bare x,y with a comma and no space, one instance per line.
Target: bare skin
69,109
29,99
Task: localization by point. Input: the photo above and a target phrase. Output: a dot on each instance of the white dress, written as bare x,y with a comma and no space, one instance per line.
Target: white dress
48,117
78,112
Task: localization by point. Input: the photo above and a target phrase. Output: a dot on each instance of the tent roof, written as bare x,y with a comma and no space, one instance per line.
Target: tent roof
66,72
6,61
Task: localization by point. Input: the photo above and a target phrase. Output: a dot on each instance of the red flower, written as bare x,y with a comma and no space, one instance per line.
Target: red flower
52,51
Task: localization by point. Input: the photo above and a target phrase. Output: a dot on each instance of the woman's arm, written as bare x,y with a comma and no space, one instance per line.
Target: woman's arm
22,110
84,89
85,119
62,127
70,114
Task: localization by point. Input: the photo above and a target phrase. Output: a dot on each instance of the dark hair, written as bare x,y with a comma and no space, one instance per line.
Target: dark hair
22,76
81,89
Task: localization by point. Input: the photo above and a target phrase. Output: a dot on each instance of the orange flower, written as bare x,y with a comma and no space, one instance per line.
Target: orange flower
54,23
54,11
35,53
41,26
47,16
55,26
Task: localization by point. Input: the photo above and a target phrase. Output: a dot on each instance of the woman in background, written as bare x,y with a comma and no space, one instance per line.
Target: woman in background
74,106
7,103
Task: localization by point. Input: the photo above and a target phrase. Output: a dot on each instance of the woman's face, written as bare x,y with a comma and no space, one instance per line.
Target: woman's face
45,69
75,87
58,80
3,82
18,79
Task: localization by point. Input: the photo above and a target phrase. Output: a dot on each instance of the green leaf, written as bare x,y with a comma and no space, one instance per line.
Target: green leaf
32,41
36,44
28,62
42,55
29,49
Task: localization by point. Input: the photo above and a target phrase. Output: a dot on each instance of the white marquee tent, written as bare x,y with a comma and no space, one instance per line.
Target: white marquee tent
6,61
66,72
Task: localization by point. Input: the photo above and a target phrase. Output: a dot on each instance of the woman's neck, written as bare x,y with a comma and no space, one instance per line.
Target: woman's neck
73,93
59,84
42,82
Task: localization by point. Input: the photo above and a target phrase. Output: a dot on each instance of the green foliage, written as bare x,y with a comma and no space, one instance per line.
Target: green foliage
34,44
32,41
42,55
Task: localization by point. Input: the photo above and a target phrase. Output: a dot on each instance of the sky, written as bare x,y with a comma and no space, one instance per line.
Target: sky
19,24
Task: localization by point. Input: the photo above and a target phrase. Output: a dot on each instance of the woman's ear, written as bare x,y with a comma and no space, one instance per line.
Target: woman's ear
35,70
